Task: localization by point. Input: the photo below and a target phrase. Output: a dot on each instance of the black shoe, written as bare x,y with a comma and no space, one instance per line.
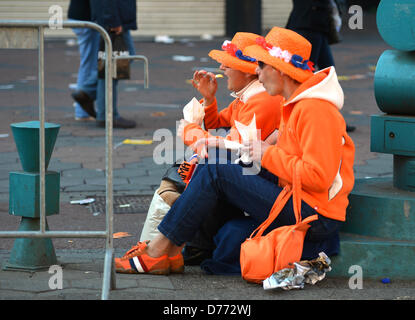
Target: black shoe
350,128
193,256
85,101
118,123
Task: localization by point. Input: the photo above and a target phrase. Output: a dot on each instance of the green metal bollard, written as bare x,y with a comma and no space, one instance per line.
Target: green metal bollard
395,134
24,194
378,234
394,82
31,253
395,22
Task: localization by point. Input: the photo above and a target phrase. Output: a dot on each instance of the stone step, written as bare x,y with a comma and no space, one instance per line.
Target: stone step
378,257
377,209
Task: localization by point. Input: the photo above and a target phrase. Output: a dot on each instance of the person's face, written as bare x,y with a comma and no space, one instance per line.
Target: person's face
237,80
270,78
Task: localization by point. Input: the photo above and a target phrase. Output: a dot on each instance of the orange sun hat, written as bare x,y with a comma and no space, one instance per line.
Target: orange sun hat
231,53
286,51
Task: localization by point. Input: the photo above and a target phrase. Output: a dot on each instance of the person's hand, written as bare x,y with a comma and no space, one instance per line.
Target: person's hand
180,130
202,145
256,149
273,137
117,30
206,84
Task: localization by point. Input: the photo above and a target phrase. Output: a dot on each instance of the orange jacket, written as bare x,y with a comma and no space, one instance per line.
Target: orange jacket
253,99
313,132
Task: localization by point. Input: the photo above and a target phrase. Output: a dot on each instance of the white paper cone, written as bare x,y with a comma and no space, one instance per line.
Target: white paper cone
194,112
248,133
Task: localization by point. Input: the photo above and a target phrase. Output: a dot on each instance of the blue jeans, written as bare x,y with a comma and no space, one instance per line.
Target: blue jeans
254,194
101,85
88,41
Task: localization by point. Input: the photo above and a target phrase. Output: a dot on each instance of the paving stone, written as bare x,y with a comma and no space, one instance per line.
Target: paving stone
57,165
9,157
84,188
145,181
135,165
28,284
16,295
74,153
130,172
127,187
64,184
159,282
11,166
74,140
102,181
82,173
69,294
4,174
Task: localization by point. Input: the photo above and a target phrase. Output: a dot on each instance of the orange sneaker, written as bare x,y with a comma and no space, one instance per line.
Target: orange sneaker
176,264
136,260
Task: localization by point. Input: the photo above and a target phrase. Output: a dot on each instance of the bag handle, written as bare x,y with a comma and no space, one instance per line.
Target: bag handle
280,202
297,186
273,214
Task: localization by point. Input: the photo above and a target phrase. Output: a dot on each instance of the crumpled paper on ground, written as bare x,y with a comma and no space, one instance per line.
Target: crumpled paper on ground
194,112
306,271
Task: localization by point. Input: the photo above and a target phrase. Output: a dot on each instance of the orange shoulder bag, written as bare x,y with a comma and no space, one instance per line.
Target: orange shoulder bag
261,256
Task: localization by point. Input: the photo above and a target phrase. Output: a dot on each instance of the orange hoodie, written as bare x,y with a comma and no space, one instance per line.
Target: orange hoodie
253,99
313,132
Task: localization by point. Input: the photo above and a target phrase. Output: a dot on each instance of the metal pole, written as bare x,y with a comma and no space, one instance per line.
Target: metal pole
108,277
53,234
136,57
108,262
41,130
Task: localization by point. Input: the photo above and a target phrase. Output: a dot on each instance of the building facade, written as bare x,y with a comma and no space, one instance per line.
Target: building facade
158,17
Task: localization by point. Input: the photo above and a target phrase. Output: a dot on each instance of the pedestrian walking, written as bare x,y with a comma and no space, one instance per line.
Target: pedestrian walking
118,16
88,41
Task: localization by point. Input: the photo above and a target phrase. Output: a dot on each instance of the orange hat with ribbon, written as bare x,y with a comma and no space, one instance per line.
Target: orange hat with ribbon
286,51
231,53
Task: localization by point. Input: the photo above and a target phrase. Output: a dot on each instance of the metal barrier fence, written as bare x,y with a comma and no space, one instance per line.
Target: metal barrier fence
24,34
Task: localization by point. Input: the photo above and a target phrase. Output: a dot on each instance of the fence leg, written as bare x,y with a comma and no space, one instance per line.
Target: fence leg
109,282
